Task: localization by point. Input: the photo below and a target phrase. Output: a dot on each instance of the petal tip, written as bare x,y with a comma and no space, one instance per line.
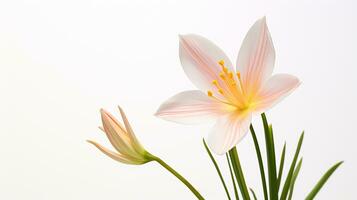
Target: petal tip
102,111
104,114
264,18
91,142
182,37
157,114
121,111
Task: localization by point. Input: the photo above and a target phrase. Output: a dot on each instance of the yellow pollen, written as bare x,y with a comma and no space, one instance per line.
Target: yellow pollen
238,75
222,76
225,69
230,74
229,87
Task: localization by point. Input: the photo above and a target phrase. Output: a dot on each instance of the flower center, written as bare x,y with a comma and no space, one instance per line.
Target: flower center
230,89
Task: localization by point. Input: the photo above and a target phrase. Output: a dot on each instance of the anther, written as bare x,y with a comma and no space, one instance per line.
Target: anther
230,74
220,91
221,62
238,75
225,69
214,82
209,93
222,76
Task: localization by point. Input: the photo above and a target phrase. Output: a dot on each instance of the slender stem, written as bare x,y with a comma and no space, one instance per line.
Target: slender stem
255,196
232,176
270,151
281,167
239,173
179,176
217,169
260,161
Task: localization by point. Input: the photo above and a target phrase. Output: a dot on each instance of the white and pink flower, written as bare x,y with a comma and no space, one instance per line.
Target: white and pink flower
229,96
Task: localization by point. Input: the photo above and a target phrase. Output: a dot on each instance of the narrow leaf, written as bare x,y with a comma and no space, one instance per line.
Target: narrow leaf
286,187
255,197
217,168
232,177
239,173
260,161
292,184
281,166
322,181
270,149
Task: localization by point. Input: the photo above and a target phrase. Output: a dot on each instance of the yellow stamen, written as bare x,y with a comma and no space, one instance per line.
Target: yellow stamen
222,76
238,75
214,82
229,87
225,69
230,74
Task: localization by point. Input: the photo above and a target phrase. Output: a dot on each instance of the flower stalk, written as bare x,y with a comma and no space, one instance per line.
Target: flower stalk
177,175
128,148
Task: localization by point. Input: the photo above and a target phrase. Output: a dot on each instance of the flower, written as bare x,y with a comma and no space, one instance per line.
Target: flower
129,150
228,96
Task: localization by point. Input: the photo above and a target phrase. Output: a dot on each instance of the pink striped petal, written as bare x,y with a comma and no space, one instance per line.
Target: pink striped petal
275,89
228,131
133,140
117,156
116,133
256,57
199,59
191,107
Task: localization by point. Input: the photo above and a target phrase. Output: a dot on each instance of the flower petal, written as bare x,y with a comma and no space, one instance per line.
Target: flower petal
116,134
228,131
199,59
191,107
274,90
134,141
116,156
256,57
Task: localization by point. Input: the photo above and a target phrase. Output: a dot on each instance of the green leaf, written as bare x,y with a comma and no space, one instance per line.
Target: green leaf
281,166
292,184
217,168
239,173
232,177
322,181
286,187
270,149
260,161
255,197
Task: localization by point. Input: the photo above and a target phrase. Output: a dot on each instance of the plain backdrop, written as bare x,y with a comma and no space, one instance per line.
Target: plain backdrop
61,61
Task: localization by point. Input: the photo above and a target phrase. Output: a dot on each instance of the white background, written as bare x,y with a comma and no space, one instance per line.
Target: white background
61,61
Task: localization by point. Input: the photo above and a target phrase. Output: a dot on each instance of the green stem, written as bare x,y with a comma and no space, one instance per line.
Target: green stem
239,173
270,150
260,161
179,176
232,176
217,169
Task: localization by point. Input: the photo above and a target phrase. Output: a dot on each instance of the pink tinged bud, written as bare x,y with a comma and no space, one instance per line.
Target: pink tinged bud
128,150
